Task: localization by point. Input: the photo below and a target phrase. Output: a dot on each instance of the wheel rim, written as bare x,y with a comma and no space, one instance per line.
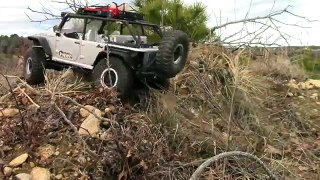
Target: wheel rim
109,78
29,65
178,53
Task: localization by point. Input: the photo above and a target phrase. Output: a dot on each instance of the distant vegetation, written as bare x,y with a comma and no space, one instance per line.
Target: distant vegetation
13,45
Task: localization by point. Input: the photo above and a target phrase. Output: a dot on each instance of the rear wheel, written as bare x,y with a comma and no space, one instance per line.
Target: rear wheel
33,67
114,74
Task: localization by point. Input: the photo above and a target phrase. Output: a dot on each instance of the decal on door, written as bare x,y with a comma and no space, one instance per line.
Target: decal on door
65,55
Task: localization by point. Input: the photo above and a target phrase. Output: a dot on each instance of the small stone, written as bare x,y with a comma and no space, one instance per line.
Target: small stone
16,170
39,173
68,153
32,165
106,123
107,110
7,171
59,176
301,97
46,151
105,136
23,176
290,94
302,85
57,153
314,82
90,126
314,96
19,160
110,109
315,111
9,112
82,160
318,103
84,113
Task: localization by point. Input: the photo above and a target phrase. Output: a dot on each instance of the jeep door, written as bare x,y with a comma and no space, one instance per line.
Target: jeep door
93,42
68,41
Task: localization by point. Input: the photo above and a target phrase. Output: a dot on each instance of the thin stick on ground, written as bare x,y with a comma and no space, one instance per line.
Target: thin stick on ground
82,106
74,128
29,98
208,162
24,83
8,94
24,127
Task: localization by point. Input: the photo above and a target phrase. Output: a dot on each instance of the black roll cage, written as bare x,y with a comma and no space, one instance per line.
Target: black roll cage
137,38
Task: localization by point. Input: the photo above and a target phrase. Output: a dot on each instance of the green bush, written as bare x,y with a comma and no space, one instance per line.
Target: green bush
309,63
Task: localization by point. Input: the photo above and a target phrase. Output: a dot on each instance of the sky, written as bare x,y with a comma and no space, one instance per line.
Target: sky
14,19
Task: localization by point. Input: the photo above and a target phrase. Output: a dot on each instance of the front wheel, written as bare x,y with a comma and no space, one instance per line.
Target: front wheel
33,66
113,74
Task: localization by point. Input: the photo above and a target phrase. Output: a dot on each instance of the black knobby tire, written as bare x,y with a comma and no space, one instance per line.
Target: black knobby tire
123,73
33,66
174,45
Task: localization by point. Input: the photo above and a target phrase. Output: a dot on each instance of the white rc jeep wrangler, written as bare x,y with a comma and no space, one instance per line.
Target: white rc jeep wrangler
117,49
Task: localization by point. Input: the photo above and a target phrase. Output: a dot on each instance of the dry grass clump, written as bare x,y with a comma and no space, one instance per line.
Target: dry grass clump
64,82
223,102
278,66
215,107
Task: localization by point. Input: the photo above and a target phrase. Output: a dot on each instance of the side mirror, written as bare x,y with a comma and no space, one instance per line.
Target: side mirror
56,30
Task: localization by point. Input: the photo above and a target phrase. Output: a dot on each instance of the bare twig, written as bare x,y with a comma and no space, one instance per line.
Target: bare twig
254,19
8,94
24,83
23,122
81,106
208,162
73,127
29,98
250,37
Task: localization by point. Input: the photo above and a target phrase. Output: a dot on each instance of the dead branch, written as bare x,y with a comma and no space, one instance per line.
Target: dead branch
23,122
81,106
29,98
269,16
25,84
208,162
245,37
48,15
74,128
7,95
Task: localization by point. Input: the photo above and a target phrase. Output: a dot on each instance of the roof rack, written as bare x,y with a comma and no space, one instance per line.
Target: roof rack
112,11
